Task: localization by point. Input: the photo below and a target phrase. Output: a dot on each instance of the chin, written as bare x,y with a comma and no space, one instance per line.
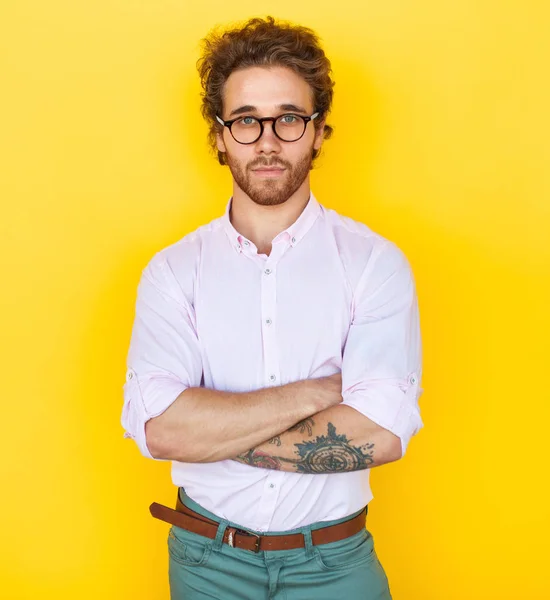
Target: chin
266,201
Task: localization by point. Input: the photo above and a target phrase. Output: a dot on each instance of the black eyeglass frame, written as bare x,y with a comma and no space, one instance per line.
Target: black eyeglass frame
262,120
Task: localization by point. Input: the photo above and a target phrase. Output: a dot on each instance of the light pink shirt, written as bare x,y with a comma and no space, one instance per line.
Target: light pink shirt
332,296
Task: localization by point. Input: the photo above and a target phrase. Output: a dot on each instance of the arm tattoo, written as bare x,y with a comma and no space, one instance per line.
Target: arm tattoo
302,426
331,453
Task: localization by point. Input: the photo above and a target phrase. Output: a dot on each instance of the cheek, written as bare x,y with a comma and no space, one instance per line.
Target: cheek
241,155
301,150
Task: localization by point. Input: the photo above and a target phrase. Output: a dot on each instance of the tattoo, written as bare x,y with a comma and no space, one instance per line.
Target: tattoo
256,458
303,425
332,453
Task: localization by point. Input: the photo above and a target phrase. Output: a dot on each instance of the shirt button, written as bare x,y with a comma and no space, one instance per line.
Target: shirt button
272,377
412,379
268,321
271,485
130,375
246,243
293,240
267,271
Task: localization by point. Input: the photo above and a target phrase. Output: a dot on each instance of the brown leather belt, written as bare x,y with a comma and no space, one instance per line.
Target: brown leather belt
187,518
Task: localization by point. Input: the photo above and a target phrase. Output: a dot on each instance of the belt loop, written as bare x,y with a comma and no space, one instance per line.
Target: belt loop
218,540
310,551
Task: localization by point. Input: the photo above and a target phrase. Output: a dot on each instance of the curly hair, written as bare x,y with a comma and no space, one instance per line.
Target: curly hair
262,42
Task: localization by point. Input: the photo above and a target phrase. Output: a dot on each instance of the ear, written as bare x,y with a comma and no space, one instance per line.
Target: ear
219,141
319,135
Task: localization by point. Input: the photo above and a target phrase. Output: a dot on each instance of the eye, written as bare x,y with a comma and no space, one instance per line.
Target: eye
247,121
288,119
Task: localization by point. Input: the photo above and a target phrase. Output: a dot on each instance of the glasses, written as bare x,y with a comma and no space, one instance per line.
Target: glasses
248,130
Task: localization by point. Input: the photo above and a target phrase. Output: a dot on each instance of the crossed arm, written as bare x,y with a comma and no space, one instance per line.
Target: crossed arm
336,440
382,352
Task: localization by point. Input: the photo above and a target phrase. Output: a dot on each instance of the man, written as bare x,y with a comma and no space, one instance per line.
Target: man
276,355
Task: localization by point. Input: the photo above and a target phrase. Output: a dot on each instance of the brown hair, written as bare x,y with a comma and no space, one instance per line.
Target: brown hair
262,42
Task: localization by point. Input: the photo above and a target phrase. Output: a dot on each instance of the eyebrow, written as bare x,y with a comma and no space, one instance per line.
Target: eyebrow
252,109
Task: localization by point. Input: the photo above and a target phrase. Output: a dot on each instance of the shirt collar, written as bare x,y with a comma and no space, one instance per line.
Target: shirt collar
292,234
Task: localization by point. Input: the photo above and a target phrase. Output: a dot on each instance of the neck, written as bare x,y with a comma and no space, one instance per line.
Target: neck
261,224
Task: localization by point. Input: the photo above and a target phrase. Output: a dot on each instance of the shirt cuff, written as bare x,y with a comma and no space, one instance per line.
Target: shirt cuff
390,406
135,414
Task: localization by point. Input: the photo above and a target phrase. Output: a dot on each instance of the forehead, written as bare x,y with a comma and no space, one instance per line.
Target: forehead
266,88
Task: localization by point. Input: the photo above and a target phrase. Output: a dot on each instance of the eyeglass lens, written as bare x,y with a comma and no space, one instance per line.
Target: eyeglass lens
287,127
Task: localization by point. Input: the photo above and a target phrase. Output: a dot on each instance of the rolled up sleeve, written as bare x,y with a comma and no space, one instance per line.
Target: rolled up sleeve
382,360
164,357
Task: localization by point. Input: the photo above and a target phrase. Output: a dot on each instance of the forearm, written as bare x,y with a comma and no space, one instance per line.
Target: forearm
335,440
204,425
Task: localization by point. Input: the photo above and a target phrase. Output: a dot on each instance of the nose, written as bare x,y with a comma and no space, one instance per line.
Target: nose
268,141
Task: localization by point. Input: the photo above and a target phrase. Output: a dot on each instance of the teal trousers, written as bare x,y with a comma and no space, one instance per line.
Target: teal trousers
200,567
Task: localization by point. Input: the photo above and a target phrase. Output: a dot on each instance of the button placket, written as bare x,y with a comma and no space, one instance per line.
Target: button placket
269,498
271,370
268,314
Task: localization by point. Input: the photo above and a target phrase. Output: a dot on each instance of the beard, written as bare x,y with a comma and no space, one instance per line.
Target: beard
270,192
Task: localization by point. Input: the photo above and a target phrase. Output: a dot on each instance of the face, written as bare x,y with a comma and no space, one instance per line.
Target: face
268,92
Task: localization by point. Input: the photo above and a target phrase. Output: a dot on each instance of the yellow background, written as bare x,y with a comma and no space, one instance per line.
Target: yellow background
441,144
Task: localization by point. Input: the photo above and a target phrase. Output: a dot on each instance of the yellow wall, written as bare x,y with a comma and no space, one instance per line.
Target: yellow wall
441,144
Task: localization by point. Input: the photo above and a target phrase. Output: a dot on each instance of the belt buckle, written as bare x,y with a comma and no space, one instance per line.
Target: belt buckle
256,548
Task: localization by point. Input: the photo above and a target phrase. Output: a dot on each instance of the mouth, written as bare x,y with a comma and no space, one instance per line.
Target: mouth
269,171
